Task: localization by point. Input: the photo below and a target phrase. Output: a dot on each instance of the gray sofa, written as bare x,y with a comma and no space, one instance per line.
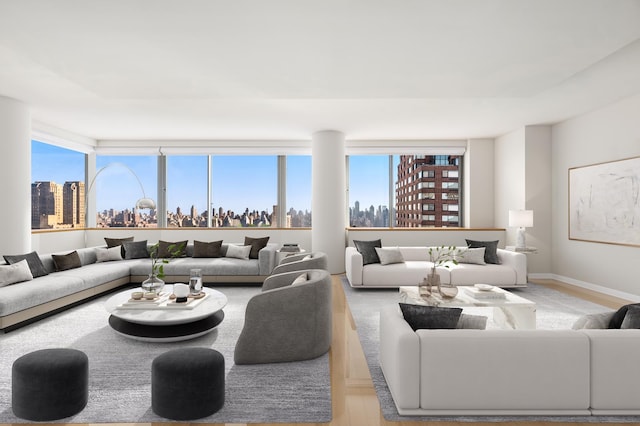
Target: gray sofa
25,301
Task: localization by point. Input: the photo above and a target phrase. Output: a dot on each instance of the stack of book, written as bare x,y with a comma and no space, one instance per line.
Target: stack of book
290,248
485,294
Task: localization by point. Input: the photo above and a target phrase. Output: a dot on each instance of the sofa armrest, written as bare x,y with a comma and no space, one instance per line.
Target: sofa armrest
267,258
400,357
517,261
353,265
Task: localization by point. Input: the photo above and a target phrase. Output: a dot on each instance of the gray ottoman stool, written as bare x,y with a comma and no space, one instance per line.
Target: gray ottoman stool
187,383
50,384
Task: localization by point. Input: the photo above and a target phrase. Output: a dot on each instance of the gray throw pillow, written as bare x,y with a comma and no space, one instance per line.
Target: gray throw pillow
212,249
430,317
368,250
66,261
114,242
490,252
471,255
593,321
167,249
632,318
388,256
473,322
16,273
618,316
33,260
256,244
135,250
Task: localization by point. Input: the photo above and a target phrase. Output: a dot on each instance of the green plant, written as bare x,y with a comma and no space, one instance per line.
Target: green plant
441,256
157,263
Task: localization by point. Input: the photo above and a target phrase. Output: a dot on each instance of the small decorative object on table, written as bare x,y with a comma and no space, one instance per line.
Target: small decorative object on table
155,283
195,281
440,256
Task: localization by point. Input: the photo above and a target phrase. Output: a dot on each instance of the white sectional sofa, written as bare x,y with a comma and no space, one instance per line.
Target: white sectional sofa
511,272
509,372
22,302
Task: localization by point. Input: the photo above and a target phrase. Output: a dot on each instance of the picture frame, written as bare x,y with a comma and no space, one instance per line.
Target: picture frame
604,202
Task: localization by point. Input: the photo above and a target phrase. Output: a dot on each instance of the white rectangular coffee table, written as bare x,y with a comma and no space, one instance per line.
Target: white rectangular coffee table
511,312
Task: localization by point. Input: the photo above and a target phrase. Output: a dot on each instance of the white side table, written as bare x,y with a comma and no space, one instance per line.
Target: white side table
525,250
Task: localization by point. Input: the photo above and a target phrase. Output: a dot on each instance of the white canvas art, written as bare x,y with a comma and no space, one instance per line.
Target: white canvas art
604,202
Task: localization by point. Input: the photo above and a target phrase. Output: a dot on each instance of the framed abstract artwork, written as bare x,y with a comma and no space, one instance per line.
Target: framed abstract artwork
604,202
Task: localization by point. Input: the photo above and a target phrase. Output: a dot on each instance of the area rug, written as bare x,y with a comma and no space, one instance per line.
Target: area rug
554,310
120,370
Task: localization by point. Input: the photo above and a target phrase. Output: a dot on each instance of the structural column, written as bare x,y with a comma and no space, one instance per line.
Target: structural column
15,175
328,198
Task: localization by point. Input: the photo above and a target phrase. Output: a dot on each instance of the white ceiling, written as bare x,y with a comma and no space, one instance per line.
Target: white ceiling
282,69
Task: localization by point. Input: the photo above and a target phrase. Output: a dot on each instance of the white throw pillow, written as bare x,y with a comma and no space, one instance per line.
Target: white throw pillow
471,255
238,252
15,273
108,254
389,255
302,278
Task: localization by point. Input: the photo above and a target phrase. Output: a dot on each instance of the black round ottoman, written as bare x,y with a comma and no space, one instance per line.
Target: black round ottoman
187,383
50,384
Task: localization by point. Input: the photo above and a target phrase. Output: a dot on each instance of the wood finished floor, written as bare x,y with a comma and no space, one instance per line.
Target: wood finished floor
354,399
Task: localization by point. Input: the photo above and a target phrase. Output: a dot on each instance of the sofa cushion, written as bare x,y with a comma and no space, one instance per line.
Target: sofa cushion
388,256
167,249
618,316
430,317
108,254
256,244
491,250
211,249
593,321
472,255
238,252
135,249
66,261
368,250
632,318
33,260
115,242
16,273
472,322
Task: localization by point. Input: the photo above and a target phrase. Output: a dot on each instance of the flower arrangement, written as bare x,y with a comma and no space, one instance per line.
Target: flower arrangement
441,256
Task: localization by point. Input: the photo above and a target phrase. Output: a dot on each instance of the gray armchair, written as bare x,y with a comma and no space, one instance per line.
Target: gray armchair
287,321
302,261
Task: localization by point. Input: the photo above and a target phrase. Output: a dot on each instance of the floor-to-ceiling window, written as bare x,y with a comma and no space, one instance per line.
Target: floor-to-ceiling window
244,190
298,199
57,187
120,181
187,191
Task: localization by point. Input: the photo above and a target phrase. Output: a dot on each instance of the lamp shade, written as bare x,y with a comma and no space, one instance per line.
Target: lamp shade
521,218
145,203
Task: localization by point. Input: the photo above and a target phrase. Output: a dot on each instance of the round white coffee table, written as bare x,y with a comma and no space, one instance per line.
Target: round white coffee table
158,322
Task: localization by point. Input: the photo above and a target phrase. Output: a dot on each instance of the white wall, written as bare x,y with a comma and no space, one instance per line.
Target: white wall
509,188
479,184
607,134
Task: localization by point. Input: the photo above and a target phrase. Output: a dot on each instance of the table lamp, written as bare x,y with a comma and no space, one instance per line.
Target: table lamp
521,219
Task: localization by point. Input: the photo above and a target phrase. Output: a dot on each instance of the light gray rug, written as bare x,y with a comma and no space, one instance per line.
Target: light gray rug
555,310
120,370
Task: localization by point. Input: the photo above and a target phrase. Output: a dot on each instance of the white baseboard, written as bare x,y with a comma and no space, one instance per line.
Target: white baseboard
589,286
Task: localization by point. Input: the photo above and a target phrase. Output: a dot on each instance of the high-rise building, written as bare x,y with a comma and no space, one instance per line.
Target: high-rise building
46,202
73,204
428,191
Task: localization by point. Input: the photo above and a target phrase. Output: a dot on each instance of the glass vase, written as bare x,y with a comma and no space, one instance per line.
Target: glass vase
153,284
